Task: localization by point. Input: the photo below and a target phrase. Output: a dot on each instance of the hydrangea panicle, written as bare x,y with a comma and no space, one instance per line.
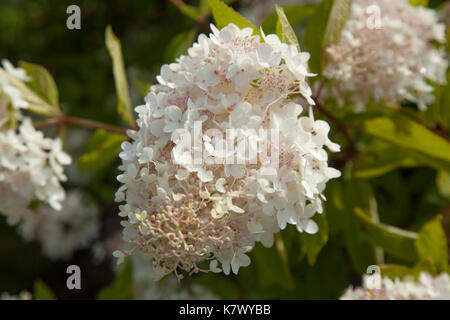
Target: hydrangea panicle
394,61
194,216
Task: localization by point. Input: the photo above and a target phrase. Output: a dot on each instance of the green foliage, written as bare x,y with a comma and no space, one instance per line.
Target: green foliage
42,292
122,287
413,137
432,244
101,149
443,183
325,29
423,3
395,241
295,14
179,44
115,51
439,112
273,266
312,244
284,29
42,83
224,15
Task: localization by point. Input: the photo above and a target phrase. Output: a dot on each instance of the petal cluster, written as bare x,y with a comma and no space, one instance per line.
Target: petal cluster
189,213
387,51
61,233
31,165
426,287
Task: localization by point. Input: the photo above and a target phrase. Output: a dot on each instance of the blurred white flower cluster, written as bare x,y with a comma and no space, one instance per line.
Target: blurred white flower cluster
182,213
31,166
23,295
387,52
427,287
61,233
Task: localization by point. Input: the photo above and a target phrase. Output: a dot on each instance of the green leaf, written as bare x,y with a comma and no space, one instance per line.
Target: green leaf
224,15
439,112
102,148
324,29
394,271
295,13
284,28
37,104
380,158
410,135
42,83
395,241
443,183
42,292
273,265
122,287
432,244
312,244
115,51
179,44
340,12
416,3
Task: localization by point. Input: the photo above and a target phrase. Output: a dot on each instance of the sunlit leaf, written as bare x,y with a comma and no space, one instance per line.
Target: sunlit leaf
295,13
42,83
284,29
224,15
432,243
324,29
42,292
410,135
120,78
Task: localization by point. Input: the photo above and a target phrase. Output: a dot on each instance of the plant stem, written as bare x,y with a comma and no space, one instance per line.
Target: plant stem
80,122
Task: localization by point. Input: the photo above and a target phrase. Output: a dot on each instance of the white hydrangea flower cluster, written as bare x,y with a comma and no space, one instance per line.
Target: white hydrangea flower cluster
426,288
387,52
61,233
182,214
31,166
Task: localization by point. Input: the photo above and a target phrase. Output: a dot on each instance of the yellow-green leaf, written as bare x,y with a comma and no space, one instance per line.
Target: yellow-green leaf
42,292
224,15
324,29
284,28
443,183
432,243
42,83
409,135
115,50
37,104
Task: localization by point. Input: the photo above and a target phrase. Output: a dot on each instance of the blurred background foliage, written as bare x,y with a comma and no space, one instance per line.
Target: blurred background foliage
400,191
